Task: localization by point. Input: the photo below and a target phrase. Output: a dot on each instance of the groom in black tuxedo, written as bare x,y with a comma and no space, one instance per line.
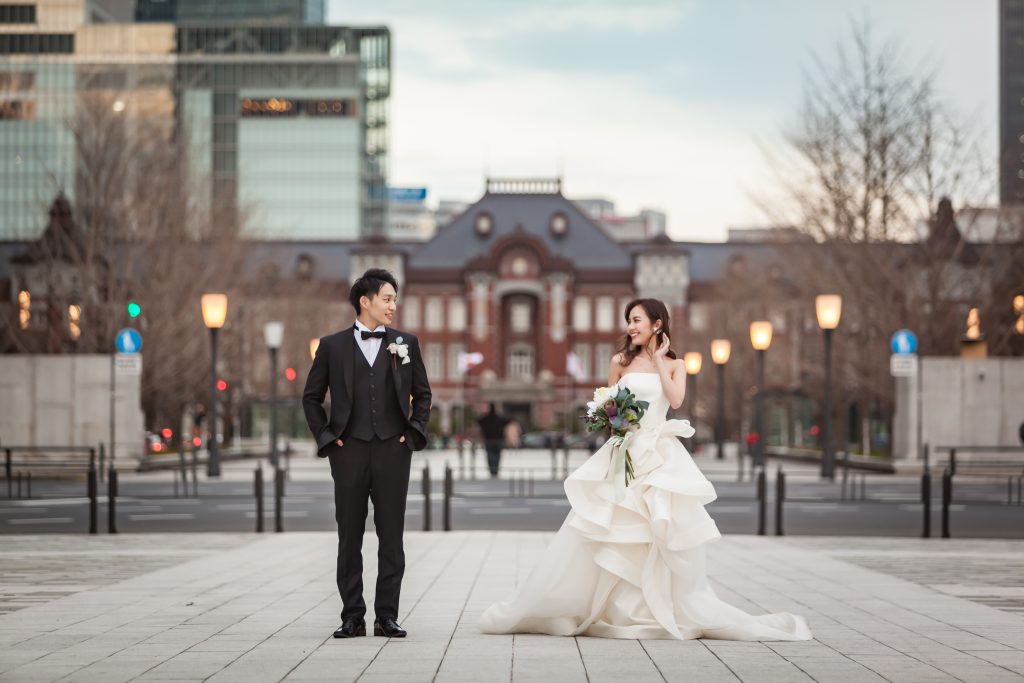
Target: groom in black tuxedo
380,404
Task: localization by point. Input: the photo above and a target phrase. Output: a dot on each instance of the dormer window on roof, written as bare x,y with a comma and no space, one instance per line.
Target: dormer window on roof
483,224
559,225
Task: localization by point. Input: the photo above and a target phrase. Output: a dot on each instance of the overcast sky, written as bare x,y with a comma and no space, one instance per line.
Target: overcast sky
648,103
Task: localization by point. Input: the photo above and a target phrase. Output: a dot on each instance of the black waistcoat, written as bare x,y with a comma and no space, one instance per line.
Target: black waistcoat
375,411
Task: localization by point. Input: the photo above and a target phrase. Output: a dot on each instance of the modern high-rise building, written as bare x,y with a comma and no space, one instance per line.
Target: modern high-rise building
1011,102
206,11
37,87
283,118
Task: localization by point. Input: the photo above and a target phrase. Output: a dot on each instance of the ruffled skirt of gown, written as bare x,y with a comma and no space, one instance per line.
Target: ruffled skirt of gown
635,567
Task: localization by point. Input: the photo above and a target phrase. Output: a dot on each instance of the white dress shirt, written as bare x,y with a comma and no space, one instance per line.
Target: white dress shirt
370,347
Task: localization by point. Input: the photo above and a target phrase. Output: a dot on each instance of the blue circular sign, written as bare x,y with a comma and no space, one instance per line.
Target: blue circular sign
129,341
904,342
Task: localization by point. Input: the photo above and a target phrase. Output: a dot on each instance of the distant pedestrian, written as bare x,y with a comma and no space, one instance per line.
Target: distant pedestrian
492,428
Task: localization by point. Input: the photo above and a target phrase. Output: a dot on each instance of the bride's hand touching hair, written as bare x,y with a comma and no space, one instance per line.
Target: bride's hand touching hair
659,352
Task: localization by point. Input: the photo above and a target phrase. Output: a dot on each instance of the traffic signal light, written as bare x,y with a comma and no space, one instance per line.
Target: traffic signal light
290,374
134,309
166,433
222,385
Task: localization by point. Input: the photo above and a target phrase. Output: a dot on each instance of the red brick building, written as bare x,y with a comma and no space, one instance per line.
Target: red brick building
523,277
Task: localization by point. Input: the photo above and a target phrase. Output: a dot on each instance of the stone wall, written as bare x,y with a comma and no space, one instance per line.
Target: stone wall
65,401
964,402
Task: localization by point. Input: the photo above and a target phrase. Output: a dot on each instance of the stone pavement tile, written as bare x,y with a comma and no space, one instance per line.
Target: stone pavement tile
115,669
225,643
902,669
145,649
330,663
191,665
962,640
967,669
390,678
689,660
15,657
760,667
835,669
1010,660
35,672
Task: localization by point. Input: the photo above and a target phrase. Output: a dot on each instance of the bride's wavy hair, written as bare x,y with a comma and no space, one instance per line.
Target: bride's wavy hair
655,310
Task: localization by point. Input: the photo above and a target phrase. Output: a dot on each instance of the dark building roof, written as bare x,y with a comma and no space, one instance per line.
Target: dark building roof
585,244
60,241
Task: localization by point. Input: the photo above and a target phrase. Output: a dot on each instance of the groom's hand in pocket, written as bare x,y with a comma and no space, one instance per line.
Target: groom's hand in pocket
339,442
401,439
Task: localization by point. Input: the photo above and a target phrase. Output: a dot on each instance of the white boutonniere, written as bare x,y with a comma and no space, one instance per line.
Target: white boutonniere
397,348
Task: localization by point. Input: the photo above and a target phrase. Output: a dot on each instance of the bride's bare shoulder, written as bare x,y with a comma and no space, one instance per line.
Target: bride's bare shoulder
615,368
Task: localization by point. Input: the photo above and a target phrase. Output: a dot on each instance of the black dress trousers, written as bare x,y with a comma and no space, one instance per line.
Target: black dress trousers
377,469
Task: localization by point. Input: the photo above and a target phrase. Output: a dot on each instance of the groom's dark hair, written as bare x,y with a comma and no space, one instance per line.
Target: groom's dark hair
369,285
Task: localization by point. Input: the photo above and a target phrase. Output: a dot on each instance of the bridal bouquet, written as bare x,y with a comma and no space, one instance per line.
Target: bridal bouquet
616,408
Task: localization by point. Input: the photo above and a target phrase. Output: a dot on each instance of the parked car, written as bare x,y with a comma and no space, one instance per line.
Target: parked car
543,439
155,443
589,441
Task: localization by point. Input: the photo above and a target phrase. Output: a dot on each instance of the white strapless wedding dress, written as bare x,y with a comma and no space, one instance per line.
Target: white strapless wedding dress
635,568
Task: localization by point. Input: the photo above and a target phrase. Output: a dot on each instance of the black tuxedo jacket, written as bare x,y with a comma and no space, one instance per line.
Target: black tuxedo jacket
333,369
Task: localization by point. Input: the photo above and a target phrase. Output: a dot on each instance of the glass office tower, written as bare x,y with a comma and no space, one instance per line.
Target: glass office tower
286,119
291,121
37,88
206,11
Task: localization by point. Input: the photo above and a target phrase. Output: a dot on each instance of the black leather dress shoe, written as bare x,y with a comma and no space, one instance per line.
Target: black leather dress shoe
350,628
388,626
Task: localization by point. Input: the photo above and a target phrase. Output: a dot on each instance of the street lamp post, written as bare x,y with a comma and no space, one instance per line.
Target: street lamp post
215,311
692,362
273,334
720,351
760,339
828,307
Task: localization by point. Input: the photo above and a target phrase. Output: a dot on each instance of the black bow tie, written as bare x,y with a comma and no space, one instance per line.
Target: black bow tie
376,335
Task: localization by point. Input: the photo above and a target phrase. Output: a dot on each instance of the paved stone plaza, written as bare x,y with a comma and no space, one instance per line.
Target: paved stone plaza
231,607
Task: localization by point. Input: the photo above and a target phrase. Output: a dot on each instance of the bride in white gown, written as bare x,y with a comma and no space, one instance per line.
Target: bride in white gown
633,565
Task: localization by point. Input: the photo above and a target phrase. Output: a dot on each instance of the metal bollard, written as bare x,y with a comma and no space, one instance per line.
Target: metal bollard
112,500
926,503
278,500
181,466
7,470
447,498
426,497
257,487
102,457
92,491
762,495
780,498
28,485
947,497
195,467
